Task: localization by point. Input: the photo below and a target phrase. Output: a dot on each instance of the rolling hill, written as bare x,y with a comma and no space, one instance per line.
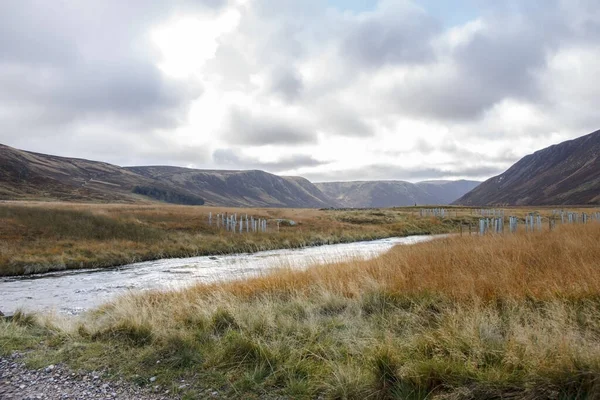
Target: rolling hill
564,174
35,176
374,194
32,176
240,188
27,175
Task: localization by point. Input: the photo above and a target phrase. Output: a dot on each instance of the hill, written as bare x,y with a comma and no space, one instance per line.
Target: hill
374,194
240,188
564,174
33,176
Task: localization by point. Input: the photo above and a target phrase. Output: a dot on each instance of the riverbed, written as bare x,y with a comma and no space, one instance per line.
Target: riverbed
73,292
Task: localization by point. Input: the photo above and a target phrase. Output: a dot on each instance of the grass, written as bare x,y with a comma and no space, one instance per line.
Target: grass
41,237
499,317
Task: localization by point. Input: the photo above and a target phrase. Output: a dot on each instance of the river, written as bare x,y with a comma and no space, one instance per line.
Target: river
72,292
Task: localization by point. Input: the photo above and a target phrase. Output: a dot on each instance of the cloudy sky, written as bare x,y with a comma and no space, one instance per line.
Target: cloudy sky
326,89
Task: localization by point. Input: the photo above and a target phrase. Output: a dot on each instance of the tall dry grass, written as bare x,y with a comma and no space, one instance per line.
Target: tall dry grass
563,263
39,237
514,316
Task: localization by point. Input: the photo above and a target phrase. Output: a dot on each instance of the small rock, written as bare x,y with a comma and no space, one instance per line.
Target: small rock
153,379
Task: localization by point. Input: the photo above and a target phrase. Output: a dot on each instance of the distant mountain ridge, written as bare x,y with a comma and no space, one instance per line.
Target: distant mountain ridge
34,176
563,174
376,194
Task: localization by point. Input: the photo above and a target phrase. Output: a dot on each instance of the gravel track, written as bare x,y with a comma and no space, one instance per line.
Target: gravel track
58,382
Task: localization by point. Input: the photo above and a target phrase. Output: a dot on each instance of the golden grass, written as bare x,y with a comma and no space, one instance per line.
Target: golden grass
513,316
38,237
565,262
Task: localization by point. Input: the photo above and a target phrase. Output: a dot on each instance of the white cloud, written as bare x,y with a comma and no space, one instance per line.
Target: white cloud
186,43
298,87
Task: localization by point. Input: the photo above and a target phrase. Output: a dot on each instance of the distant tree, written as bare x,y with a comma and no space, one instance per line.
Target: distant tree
168,196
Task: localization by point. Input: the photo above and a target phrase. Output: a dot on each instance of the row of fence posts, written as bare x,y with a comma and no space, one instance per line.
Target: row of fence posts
231,223
433,212
484,212
533,222
495,225
575,218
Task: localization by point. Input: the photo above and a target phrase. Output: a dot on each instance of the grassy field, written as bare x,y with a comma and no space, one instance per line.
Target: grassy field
495,317
40,237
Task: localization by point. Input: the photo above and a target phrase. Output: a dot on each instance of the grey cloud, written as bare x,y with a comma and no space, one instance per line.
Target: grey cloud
287,83
449,147
246,128
343,121
397,32
82,75
68,65
502,60
228,158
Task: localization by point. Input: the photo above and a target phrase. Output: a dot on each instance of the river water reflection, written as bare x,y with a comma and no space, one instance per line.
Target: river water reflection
72,292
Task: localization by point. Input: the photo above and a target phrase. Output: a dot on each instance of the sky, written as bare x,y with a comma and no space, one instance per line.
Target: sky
331,90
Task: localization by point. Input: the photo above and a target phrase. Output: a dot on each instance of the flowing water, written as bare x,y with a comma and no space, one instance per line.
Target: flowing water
72,292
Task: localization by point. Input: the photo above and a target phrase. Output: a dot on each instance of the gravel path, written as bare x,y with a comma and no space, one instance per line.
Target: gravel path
57,382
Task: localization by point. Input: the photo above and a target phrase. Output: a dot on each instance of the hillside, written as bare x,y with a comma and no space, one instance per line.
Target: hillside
374,194
27,175
33,176
240,188
564,174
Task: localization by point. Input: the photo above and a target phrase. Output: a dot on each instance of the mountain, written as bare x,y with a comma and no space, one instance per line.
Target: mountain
445,192
27,175
564,174
375,194
34,176
240,188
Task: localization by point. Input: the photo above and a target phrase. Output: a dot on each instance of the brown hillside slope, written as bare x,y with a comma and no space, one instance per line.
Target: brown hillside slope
32,176
240,188
564,174
27,175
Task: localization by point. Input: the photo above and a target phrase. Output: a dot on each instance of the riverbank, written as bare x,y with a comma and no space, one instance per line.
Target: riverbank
43,237
513,316
74,292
